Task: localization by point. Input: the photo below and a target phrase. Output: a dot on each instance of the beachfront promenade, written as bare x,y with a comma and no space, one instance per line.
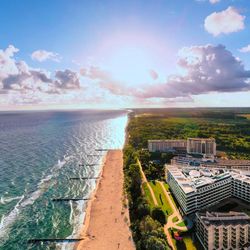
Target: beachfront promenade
107,220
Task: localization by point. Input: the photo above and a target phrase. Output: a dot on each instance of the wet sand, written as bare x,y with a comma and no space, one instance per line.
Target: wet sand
106,224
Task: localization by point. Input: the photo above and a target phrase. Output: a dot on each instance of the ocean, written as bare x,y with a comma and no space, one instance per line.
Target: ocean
39,153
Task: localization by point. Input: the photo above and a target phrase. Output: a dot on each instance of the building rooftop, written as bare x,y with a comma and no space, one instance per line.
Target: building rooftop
191,179
223,162
217,162
240,177
230,218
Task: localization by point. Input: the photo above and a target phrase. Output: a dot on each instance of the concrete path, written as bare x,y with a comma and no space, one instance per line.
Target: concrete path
169,237
170,224
144,180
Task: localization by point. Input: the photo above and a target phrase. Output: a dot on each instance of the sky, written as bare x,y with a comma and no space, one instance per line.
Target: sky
110,54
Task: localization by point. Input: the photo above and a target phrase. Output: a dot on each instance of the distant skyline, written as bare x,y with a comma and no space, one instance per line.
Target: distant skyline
76,54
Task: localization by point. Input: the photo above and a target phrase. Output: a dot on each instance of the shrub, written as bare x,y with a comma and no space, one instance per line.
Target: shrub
159,215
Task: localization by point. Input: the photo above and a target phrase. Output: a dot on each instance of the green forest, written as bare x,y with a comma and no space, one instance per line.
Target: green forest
230,128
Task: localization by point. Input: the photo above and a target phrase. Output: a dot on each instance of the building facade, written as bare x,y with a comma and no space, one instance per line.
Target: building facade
241,186
222,231
167,145
201,146
196,190
205,147
211,163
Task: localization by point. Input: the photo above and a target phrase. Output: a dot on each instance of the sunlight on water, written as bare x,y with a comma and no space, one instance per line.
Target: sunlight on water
39,156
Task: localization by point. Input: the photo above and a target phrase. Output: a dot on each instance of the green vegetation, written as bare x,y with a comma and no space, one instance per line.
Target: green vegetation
148,195
153,163
161,198
175,219
189,243
166,186
230,128
148,233
231,131
182,224
158,215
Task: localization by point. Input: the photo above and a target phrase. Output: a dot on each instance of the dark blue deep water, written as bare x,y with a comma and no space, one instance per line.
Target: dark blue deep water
39,152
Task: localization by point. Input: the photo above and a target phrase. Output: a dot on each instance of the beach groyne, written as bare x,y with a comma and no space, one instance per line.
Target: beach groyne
106,224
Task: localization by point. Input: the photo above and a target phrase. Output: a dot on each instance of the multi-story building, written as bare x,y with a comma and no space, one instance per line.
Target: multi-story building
191,161
205,147
167,145
233,164
196,189
241,186
201,146
223,231
211,163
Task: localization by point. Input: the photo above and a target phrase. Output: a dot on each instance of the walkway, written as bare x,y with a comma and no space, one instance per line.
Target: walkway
144,180
170,224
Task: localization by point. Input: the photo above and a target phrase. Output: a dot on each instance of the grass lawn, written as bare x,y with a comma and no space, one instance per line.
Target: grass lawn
170,195
182,224
185,244
189,243
175,219
161,198
148,195
166,186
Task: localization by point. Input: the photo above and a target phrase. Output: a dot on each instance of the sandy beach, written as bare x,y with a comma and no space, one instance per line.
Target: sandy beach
106,224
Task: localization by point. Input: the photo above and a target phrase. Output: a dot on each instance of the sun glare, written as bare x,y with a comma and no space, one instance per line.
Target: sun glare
130,64
130,56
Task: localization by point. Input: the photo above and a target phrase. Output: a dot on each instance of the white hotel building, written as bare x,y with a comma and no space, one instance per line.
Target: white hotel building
166,145
199,188
196,190
241,186
201,146
196,146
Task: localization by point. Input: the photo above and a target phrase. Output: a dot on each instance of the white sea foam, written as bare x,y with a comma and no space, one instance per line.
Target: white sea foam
89,137
76,219
5,200
8,219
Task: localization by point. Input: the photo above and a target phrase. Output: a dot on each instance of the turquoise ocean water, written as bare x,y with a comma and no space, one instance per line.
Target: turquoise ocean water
39,153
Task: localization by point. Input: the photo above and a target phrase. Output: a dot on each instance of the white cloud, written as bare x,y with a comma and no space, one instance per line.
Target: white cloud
224,22
43,55
67,79
208,69
17,76
214,1
204,69
245,49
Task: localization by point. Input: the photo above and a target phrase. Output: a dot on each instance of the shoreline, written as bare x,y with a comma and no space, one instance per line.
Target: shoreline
106,222
86,220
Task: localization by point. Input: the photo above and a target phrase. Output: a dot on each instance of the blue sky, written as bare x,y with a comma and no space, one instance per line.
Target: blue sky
106,52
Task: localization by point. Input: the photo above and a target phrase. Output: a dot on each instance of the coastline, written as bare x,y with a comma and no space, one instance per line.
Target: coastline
86,220
106,222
